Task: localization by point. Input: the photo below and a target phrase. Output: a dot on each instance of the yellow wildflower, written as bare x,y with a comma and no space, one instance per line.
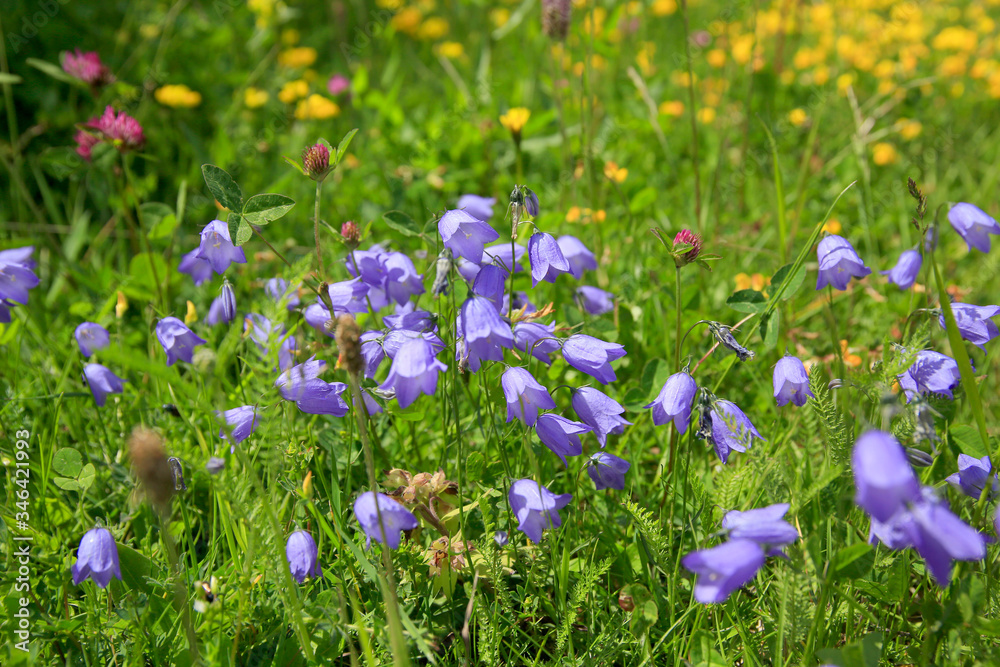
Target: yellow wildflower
149,30
664,7
293,90
953,66
742,49
706,115
433,28
316,107
192,314
832,226
910,129
573,214
956,38
290,36
883,154
821,75
600,215
255,97
850,359
389,4
716,57
451,49
177,96
407,20
302,56
672,108
797,117
754,282
844,81
515,119
614,172
121,306
957,89
499,17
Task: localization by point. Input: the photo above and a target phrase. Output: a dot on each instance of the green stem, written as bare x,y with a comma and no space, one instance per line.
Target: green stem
319,254
694,121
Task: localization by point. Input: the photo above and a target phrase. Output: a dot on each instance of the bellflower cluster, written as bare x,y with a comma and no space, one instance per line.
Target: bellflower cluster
577,255
535,507
536,339
484,332
414,371
389,275
904,514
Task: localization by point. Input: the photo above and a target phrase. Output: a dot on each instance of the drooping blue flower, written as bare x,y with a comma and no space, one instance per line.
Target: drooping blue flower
501,538
974,323
303,556
102,382
791,382
546,258
395,339
499,254
600,412
484,331
536,339
414,371
348,296
402,280
217,247
561,435
489,284
177,340
91,337
223,308
592,356
906,269
291,382
724,569
419,321
972,476
673,403
394,519
731,429
318,397
5,307
931,373
535,507
578,255
96,558
595,301
199,269
973,225
838,263
481,208
369,265
372,352
317,316
765,526
215,465
525,396
16,274
883,477
465,234
279,290
531,203
607,471
243,420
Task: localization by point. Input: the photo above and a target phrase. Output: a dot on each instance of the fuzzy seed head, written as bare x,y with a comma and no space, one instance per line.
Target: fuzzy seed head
149,462
348,339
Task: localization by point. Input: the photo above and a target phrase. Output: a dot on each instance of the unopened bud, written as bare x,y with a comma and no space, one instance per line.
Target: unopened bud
307,486
688,237
316,161
121,306
352,235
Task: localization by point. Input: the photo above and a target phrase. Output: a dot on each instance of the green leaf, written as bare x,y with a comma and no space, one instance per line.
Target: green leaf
223,187
794,281
145,269
968,440
747,301
771,325
6,78
67,484
402,223
853,562
67,462
262,209
243,232
61,161
55,71
159,219
342,146
642,199
87,476
294,163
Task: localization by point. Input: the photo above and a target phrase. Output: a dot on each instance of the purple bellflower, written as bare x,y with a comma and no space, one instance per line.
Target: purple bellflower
499,254
791,382
931,373
592,356
973,225
291,382
16,274
489,284
673,403
316,315
561,435
91,337
536,339
97,558
465,234
535,507
883,477
223,308
607,471
217,247
348,296
396,338
177,340
546,258
600,412
838,263
595,301
975,323
521,300
395,519
402,280
485,333
731,429
972,476
724,569
420,321
279,290
102,382
578,255
5,307
303,556
372,352
317,397
481,208
765,526
243,420
501,538
199,269
525,397
414,371
906,269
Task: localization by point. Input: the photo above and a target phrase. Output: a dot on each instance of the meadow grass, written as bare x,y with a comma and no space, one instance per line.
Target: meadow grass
761,128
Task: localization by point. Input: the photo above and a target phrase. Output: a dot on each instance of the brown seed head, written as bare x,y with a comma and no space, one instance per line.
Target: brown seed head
149,462
348,339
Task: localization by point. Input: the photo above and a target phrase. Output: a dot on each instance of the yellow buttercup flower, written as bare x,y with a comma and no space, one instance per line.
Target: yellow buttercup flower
433,28
302,56
664,7
672,108
255,97
706,115
177,96
121,305
515,119
910,129
499,17
407,20
573,214
316,107
742,49
883,154
451,49
293,90
290,36
716,57
615,173
832,226
956,38
797,117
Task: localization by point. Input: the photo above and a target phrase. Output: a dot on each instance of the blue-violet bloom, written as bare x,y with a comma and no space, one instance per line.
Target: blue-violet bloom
96,558
791,382
217,247
395,519
906,269
535,507
91,337
303,556
673,403
607,471
102,382
177,339
600,412
592,356
561,435
525,396
838,263
973,225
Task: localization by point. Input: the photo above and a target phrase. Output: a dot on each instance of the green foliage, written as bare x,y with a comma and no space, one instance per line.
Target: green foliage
837,431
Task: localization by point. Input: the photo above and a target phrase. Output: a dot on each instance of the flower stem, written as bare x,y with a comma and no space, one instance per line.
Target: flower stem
319,254
694,121
677,306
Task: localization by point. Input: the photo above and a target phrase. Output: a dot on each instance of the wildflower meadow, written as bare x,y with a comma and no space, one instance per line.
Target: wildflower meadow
499,332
